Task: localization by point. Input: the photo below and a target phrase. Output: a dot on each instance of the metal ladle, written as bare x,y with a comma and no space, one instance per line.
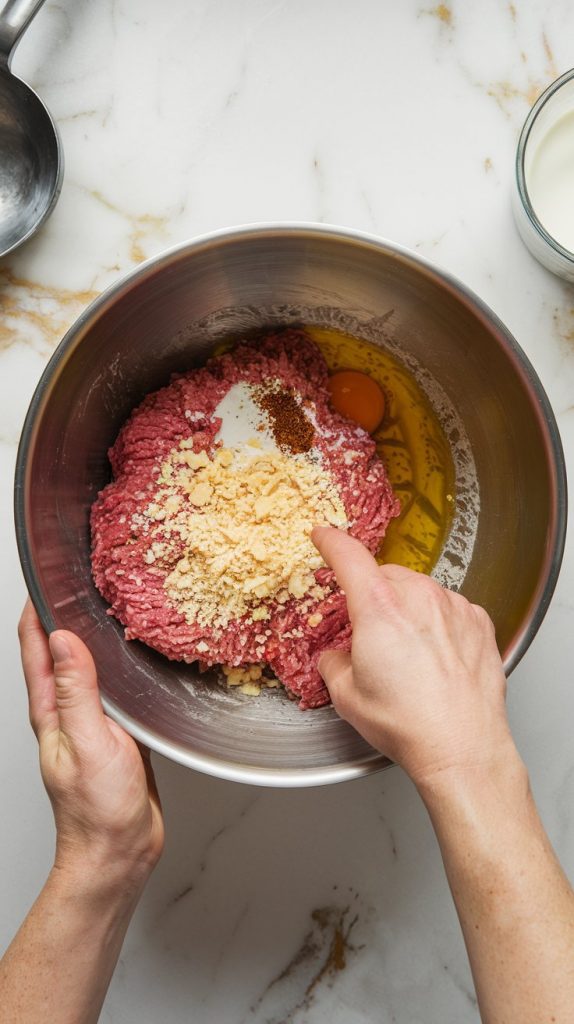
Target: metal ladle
31,159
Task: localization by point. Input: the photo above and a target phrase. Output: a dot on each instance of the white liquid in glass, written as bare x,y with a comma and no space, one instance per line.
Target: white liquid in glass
550,181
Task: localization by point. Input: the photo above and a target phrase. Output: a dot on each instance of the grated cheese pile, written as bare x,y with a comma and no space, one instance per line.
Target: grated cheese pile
241,525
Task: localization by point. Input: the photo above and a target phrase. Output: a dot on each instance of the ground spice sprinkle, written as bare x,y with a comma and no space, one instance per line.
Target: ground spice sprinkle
291,428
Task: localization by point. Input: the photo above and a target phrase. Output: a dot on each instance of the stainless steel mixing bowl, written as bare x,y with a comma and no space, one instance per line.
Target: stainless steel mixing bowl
166,316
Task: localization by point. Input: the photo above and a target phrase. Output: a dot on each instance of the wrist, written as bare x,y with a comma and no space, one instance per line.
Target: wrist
96,874
501,780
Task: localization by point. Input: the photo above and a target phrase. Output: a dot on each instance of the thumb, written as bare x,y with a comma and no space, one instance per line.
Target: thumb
77,696
336,670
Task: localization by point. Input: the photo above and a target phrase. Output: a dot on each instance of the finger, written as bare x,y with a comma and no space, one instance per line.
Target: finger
336,671
38,671
145,755
151,782
350,560
149,773
397,573
77,696
144,751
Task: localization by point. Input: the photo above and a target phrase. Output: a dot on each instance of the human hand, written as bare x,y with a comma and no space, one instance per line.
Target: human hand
101,785
424,682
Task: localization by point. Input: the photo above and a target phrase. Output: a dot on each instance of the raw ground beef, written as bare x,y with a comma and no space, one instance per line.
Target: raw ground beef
184,410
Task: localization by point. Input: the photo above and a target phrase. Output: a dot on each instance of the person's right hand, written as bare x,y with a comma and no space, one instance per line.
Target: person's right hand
424,683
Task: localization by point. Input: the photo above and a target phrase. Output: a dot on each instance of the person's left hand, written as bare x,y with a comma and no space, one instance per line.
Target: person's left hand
101,785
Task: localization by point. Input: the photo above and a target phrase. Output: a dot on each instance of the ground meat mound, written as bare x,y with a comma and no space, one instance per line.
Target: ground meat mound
290,640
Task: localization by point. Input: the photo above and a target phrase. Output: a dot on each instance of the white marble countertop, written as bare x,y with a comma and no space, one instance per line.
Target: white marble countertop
396,118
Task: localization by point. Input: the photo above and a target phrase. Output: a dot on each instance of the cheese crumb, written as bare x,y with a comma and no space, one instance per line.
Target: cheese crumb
250,689
249,679
201,494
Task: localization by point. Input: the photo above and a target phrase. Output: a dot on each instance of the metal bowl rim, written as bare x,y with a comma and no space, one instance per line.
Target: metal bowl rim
339,773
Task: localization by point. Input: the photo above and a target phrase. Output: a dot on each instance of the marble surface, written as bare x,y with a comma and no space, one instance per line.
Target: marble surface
395,118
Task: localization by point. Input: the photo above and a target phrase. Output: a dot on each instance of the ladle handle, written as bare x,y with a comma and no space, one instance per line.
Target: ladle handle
15,16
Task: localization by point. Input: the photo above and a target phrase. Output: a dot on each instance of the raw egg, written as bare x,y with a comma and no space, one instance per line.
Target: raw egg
358,397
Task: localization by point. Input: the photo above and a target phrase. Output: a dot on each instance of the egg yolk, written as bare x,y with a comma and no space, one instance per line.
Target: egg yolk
358,397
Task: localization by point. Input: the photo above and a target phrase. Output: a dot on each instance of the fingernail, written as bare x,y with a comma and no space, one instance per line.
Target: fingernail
59,647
